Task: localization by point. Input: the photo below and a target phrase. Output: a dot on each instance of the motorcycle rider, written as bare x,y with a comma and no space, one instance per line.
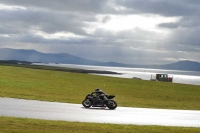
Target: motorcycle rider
100,94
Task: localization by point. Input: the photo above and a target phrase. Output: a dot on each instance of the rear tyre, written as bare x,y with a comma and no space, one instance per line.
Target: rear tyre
111,104
87,103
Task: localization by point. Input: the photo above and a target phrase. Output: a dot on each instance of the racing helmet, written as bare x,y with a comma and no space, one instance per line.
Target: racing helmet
97,90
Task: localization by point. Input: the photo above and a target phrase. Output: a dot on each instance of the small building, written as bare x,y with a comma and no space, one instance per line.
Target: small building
164,77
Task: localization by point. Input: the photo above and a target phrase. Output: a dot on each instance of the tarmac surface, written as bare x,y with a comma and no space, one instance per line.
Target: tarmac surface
77,113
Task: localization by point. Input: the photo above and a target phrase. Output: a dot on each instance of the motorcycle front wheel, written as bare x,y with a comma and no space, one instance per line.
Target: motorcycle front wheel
87,103
111,104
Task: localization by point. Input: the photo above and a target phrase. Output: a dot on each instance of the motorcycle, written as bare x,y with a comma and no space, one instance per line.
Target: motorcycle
97,101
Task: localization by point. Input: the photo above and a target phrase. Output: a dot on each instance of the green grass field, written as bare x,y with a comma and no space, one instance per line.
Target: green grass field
21,125
52,85
48,85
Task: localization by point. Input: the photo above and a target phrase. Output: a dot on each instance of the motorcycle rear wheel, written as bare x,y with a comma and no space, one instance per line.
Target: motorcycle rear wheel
87,103
111,104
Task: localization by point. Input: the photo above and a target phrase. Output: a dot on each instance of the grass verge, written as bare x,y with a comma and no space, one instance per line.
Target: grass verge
21,125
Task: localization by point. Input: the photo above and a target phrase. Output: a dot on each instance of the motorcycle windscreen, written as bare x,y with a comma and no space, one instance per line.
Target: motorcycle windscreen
111,96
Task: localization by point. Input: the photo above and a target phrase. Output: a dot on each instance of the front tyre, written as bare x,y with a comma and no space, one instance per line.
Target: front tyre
111,104
87,103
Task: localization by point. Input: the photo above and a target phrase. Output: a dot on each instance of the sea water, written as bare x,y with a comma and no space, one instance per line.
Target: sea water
184,77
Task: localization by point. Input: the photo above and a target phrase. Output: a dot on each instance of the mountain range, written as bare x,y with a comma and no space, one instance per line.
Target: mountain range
64,58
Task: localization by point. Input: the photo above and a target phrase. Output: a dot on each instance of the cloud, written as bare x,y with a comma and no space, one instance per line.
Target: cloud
86,6
128,31
106,19
162,7
169,25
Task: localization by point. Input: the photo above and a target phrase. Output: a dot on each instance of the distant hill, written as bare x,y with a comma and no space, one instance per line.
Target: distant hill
35,56
183,65
180,65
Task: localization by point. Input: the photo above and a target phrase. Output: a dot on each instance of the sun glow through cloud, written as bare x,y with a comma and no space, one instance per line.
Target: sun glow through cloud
58,35
119,23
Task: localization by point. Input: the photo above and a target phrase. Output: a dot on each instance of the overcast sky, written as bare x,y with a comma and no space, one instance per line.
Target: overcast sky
125,31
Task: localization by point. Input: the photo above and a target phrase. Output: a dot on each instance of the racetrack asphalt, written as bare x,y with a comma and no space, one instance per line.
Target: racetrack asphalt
77,113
